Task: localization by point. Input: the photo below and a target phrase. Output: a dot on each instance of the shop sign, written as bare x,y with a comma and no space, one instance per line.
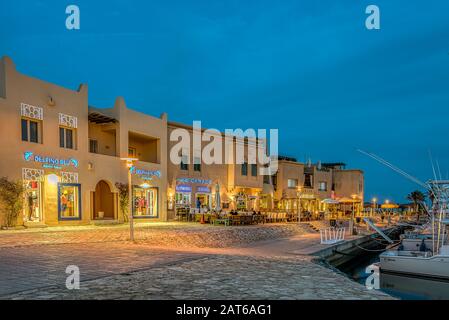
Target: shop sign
145,174
50,162
194,180
307,196
183,188
203,189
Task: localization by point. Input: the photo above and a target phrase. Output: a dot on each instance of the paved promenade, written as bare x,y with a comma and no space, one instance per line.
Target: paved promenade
171,261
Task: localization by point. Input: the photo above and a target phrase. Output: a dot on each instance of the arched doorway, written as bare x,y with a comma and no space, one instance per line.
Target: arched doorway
103,201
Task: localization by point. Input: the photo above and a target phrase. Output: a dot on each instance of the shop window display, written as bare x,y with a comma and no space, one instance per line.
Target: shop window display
241,201
202,200
33,197
182,199
145,202
69,201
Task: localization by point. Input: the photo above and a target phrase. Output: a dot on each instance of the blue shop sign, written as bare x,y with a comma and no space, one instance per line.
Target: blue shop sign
145,174
203,189
50,162
183,188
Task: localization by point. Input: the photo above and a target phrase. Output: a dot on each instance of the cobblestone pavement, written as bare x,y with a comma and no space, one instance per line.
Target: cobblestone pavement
185,235
171,262
23,268
219,277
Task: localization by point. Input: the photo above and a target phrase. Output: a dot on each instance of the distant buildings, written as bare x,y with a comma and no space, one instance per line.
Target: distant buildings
312,184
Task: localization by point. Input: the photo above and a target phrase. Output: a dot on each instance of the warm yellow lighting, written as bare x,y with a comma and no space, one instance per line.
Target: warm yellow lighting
52,179
129,161
145,185
353,196
387,201
374,200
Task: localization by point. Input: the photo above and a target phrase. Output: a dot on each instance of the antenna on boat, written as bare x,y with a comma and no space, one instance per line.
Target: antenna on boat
394,168
426,186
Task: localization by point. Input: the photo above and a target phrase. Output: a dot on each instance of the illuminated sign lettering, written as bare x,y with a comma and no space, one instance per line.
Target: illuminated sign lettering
145,174
203,189
183,188
50,162
194,180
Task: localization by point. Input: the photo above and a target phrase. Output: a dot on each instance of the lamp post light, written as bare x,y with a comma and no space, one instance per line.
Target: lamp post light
374,205
387,202
298,193
351,222
129,164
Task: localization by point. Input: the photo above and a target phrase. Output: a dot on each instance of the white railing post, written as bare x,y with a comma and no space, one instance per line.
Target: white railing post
332,235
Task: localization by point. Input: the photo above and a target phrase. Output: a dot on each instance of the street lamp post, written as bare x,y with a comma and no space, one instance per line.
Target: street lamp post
387,202
374,205
351,223
299,203
129,165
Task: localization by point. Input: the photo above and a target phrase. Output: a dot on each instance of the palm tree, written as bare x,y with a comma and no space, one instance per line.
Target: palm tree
431,195
417,197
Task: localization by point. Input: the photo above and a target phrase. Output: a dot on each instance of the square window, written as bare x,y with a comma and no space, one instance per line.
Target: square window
254,170
132,152
66,138
292,183
197,164
184,165
322,186
93,146
24,130
30,130
244,169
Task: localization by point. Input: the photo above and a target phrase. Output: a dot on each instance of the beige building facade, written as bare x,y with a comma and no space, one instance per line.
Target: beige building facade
310,187
70,158
195,184
68,155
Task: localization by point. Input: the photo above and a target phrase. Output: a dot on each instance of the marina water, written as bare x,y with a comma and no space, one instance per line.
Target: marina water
407,288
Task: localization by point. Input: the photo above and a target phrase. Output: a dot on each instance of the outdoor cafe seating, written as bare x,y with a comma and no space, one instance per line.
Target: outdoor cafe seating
234,218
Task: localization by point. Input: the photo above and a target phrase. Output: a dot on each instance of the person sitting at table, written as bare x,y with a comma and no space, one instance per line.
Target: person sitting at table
254,212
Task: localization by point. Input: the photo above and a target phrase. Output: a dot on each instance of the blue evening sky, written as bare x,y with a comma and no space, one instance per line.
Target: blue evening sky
309,68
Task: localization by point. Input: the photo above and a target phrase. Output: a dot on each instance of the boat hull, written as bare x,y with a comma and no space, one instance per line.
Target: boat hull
435,267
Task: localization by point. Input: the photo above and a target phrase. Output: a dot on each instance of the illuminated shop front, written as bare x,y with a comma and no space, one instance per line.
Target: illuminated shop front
288,204
247,199
49,189
193,193
203,197
33,187
145,202
145,195
69,201
265,202
183,195
241,201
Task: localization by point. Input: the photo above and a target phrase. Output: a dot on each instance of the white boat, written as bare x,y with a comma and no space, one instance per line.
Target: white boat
424,255
416,263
